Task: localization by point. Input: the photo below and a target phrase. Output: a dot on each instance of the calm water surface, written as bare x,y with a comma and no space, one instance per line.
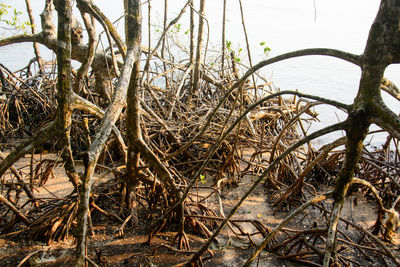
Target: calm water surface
284,25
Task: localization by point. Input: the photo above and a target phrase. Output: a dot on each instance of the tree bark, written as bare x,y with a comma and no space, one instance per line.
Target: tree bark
133,31
64,86
196,81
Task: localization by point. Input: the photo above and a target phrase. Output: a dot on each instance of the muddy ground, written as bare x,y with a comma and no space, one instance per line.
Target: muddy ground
131,249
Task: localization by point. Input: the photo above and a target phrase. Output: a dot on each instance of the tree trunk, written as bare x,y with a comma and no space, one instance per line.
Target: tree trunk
64,84
223,40
382,49
134,29
196,81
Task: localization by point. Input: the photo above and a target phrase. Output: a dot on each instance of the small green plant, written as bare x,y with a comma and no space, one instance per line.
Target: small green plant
228,45
265,48
12,18
202,178
176,28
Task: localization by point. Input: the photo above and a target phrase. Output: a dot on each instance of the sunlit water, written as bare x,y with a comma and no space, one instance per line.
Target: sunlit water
284,25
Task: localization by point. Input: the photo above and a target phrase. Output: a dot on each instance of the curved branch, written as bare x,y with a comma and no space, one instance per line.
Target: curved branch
355,59
78,52
379,200
22,38
385,118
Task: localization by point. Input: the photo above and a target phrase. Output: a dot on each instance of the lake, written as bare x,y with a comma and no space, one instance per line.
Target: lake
284,25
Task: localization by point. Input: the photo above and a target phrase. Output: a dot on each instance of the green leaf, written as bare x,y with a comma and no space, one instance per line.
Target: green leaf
228,45
267,50
202,178
262,43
